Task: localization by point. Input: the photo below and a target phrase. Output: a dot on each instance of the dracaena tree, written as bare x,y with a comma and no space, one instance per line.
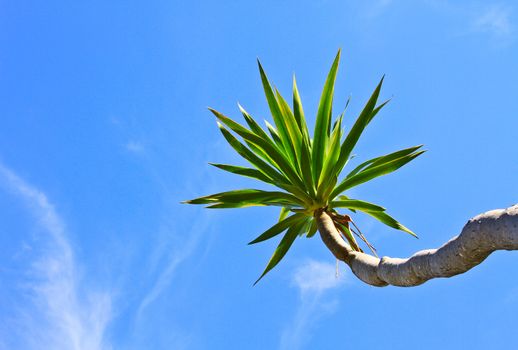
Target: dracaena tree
311,181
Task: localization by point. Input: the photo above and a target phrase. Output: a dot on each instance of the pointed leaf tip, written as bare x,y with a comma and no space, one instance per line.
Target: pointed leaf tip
213,111
260,66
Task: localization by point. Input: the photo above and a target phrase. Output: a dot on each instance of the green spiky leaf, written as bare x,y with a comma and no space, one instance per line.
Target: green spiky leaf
356,205
373,172
282,248
389,221
323,122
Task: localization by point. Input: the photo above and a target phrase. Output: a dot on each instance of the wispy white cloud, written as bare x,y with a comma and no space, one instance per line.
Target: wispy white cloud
316,277
178,237
59,313
494,19
176,257
134,147
172,247
312,279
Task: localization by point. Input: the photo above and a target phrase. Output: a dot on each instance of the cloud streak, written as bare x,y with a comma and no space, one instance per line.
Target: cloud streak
495,20
163,280
134,147
313,280
59,312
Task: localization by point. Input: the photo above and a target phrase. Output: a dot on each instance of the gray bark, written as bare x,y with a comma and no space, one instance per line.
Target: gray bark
482,235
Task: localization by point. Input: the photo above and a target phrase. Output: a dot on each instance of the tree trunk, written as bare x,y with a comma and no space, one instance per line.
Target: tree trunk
482,235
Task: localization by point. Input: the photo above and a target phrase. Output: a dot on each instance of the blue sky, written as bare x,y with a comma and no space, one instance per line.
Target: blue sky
104,130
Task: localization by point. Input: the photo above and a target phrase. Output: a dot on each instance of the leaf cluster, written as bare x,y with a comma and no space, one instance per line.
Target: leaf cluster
306,171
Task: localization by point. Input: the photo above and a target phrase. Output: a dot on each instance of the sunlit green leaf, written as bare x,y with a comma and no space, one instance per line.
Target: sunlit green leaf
383,159
323,121
284,213
356,204
281,161
389,221
252,157
312,228
279,227
306,226
247,197
307,176
371,173
276,112
328,178
239,170
298,112
254,126
282,248
274,134
362,121
293,129
348,236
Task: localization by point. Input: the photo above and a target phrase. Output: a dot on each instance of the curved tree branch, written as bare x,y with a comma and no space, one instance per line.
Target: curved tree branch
482,235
